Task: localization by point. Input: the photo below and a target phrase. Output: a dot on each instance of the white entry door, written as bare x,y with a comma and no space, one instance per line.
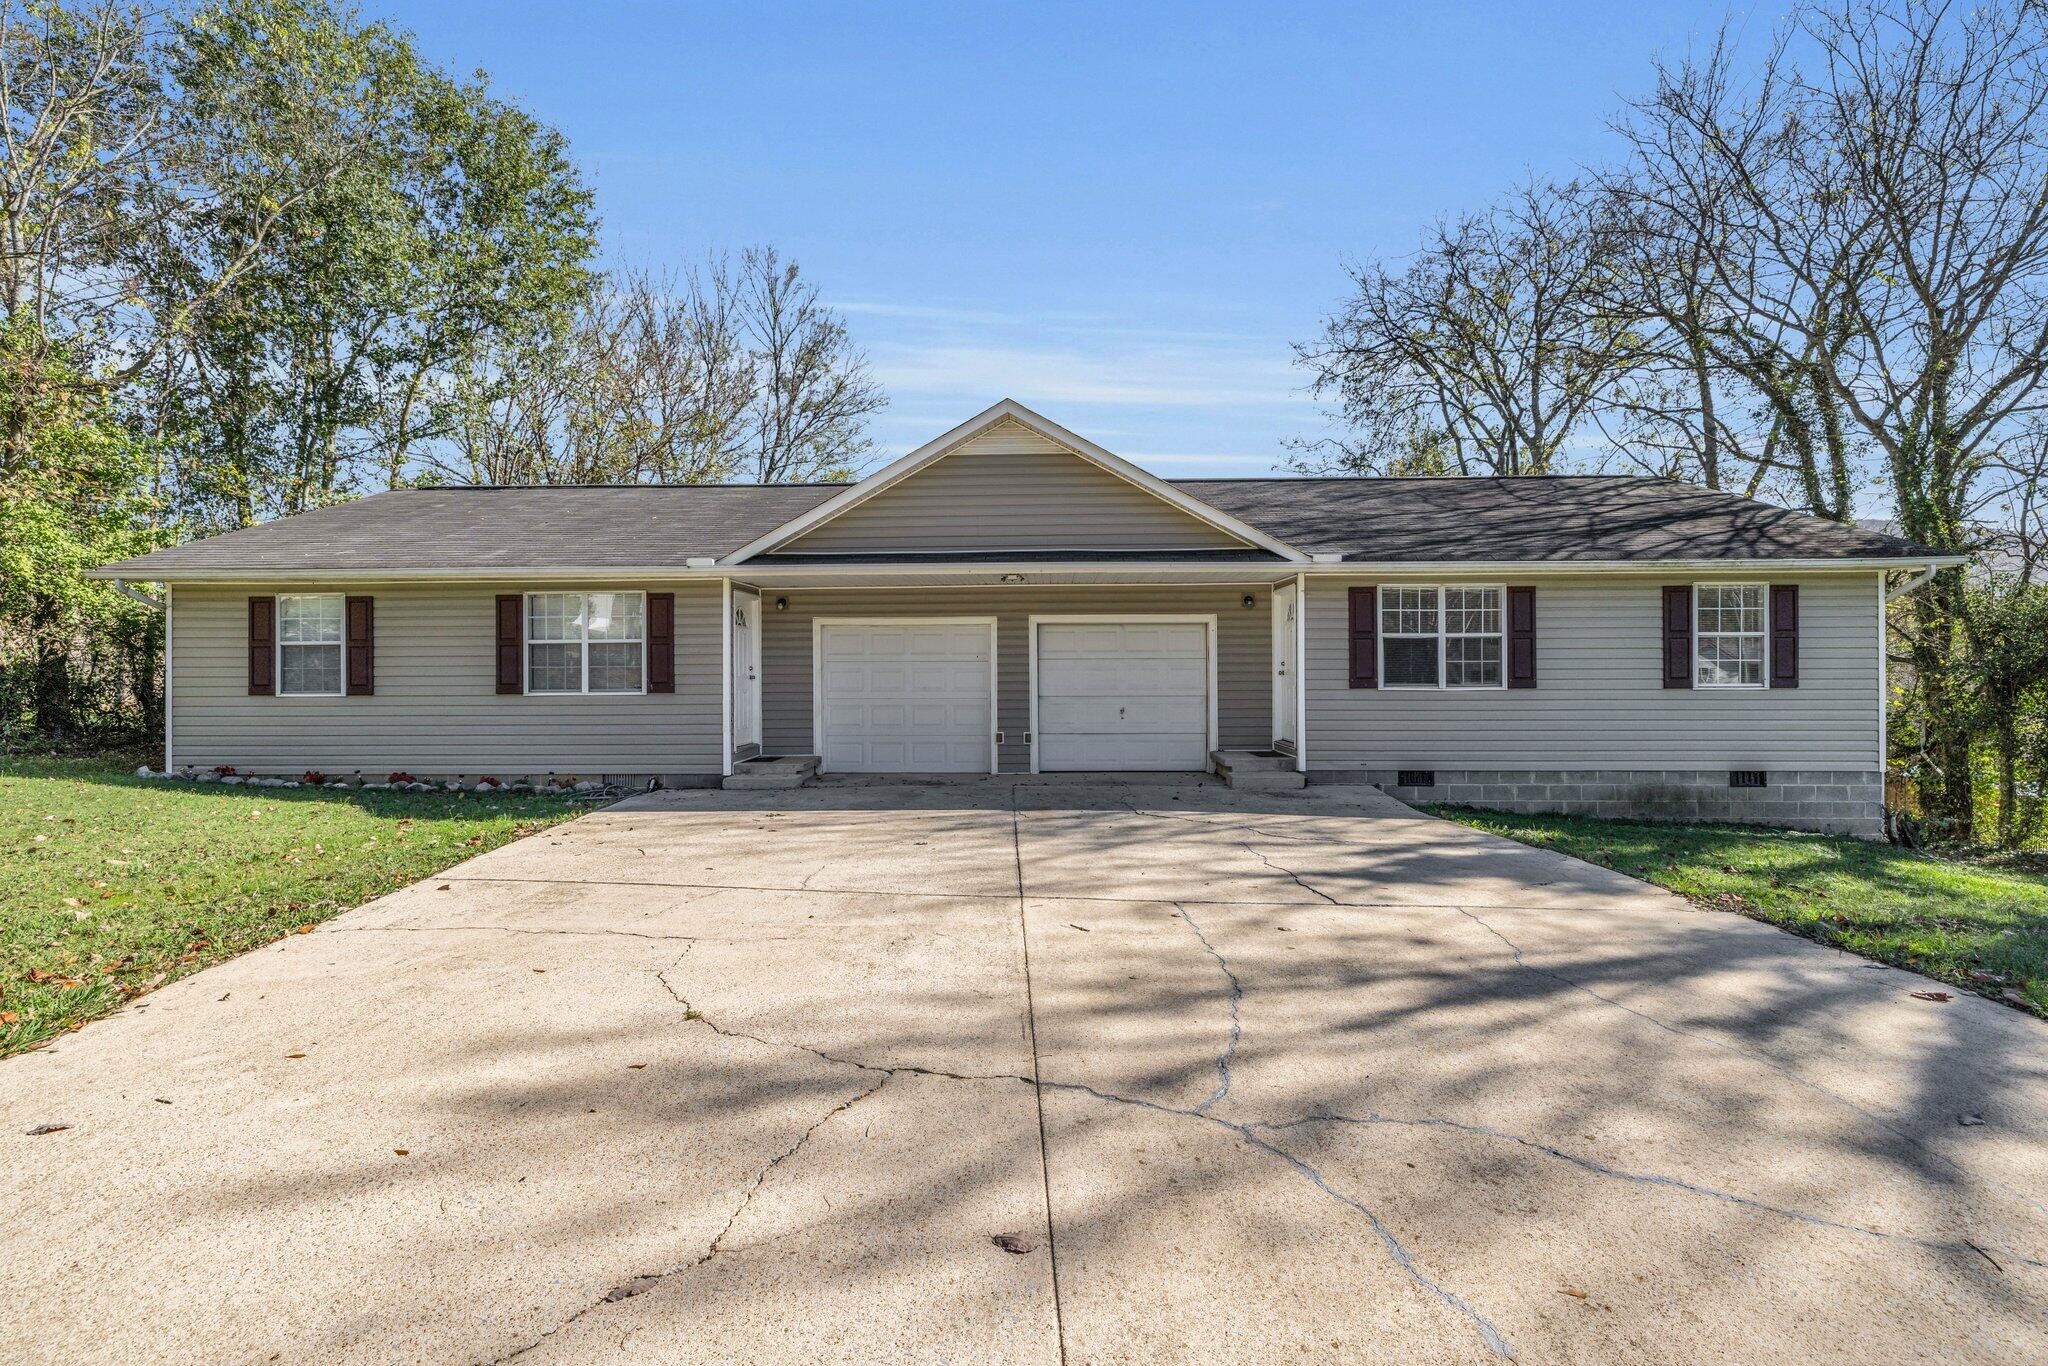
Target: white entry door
1286,665
746,667
1123,695
905,696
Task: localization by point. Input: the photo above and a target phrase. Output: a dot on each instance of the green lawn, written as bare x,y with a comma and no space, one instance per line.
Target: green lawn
111,885
1977,925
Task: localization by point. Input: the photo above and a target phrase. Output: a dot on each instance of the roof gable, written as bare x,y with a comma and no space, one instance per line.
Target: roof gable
1010,480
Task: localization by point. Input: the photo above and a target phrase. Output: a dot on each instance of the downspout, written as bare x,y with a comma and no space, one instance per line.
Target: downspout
155,604
1892,594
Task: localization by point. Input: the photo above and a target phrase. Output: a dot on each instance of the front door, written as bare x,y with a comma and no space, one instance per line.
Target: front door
1286,665
746,668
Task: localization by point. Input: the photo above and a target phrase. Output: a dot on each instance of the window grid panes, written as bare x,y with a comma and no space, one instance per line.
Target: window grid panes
1728,644
586,642
309,633
1440,637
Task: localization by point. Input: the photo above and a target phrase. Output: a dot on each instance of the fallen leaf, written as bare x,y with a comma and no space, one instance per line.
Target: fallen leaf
402,1151
160,1100
1013,1242
73,901
1932,996
303,929
442,888
8,1017
1573,1291
41,1129
635,1066
295,1055
2015,997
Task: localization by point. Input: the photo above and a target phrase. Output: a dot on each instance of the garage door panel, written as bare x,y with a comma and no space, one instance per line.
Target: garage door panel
1123,754
904,698
1123,696
1100,716
1151,676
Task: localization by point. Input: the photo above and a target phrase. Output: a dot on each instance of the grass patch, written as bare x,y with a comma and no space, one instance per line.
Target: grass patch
112,885
1979,925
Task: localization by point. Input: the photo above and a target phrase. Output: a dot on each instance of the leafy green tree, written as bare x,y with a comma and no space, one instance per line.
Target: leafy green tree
74,654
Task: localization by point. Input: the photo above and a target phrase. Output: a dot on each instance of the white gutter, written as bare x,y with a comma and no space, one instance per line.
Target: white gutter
1243,570
121,587
1927,572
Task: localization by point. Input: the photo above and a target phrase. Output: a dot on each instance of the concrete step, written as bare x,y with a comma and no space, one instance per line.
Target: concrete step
1251,761
780,771
1257,770
1266,780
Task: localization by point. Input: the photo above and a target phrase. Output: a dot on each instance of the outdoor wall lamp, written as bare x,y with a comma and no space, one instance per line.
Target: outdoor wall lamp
1250,601
782,604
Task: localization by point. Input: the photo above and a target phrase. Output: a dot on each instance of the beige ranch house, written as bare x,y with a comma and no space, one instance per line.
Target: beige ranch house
1012,598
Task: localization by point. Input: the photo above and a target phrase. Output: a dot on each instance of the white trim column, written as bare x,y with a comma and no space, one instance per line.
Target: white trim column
1301,673
169,764
725,676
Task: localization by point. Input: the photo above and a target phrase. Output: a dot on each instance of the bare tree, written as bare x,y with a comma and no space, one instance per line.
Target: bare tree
732,371
1484,355
812,392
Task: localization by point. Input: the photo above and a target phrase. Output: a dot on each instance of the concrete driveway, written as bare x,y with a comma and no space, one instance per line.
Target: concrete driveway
725,1076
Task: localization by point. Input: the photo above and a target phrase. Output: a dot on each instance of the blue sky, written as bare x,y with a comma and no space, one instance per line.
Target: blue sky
1119,214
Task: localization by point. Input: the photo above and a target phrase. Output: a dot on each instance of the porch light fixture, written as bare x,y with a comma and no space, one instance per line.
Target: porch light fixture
782,604
1250,602
1013,578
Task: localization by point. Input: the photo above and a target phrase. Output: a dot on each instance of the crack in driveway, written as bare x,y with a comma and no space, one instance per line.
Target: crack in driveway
1299,881
641,1284
1599,1168
1236,1022
1751,1055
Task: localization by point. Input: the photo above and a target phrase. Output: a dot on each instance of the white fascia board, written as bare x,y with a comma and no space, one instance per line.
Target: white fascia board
1246,571
1011,410
1362,568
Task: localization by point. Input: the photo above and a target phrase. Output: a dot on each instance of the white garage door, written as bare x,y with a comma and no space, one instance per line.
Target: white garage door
904,697
1122,695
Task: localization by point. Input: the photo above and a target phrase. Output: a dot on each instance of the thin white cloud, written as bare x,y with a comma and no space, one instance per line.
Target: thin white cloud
1178,377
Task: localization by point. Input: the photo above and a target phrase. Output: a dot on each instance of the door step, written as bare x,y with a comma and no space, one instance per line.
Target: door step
1256,770
773,771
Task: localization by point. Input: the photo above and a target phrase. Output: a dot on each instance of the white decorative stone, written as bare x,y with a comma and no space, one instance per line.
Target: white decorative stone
144,772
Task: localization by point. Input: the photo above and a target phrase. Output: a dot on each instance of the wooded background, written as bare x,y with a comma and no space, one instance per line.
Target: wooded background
261,255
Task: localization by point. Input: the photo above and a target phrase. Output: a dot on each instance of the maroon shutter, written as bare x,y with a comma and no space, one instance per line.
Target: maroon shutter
1784,635
1678,635
511,643
1521,637
1365,625
661,642
262,647
359,617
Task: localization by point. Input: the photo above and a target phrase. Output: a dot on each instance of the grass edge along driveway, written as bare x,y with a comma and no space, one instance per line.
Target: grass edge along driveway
112,885
1977,925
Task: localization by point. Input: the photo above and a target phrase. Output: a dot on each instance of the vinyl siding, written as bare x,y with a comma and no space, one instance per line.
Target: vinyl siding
1600,702
1011,489
1243,650
436,708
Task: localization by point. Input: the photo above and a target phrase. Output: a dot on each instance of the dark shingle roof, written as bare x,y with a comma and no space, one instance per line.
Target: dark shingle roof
601,527
1562,520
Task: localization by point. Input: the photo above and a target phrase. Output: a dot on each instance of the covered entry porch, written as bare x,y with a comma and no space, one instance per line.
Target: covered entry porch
970,673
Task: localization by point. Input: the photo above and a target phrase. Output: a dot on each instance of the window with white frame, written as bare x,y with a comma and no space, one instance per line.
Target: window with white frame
1440,637
586,642
1728,635
309,644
